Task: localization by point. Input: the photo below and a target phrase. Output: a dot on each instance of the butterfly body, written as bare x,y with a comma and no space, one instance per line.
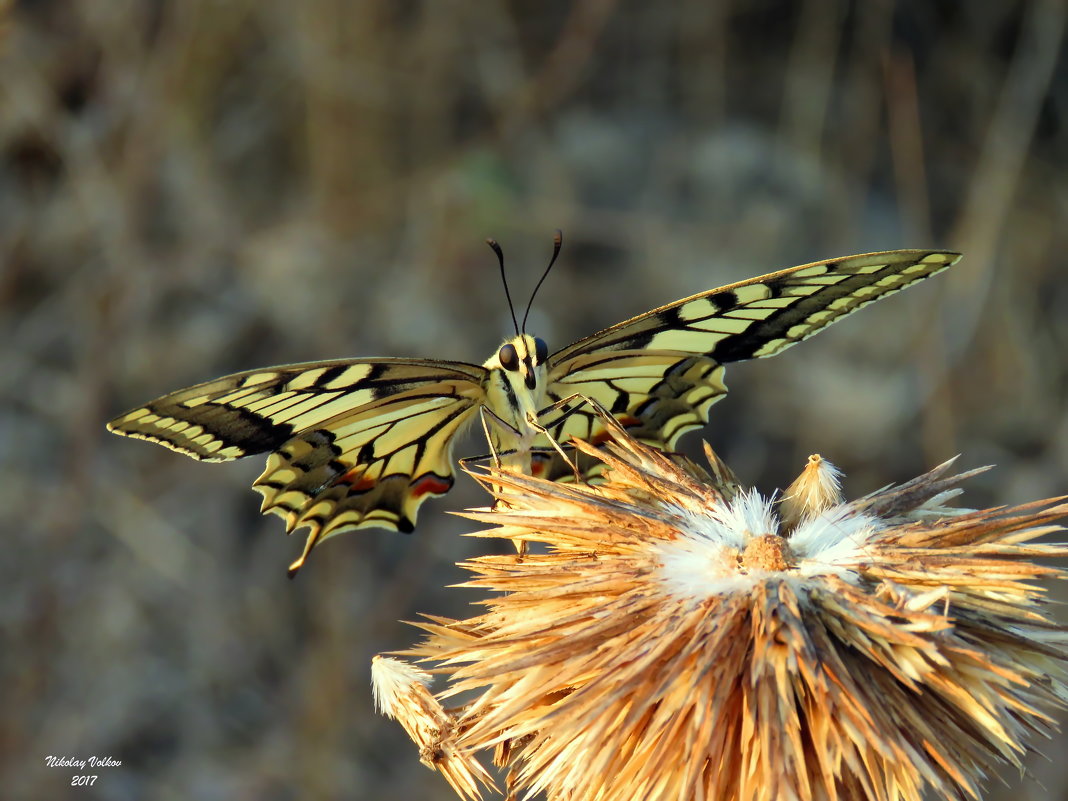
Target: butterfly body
362,443
516,389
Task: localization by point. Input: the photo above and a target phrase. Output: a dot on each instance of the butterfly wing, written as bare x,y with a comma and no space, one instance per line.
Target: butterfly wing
371,467
353,443
659,373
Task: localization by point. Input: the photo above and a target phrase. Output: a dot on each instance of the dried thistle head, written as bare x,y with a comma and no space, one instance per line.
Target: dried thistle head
679,640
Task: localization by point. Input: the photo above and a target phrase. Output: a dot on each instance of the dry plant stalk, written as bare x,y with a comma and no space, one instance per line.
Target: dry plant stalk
680,638
401,693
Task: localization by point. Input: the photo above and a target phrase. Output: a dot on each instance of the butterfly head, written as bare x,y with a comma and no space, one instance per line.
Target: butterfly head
524,357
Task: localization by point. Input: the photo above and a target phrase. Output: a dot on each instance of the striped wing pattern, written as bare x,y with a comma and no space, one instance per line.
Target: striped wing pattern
373,466
352,443
656,395
659,373
363,442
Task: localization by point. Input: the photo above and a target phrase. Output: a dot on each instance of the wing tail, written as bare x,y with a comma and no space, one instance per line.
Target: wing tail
371,468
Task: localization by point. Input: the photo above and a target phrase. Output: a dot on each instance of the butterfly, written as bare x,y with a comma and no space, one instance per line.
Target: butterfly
358,443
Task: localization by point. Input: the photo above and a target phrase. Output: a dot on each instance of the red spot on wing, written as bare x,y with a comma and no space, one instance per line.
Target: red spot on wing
431,484
357,480
602,436
539,463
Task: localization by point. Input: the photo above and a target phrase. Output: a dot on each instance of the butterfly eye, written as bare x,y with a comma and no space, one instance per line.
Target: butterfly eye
508,357
541,350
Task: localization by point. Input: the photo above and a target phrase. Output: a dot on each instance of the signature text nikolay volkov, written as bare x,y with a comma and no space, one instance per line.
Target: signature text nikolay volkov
81,764
82,780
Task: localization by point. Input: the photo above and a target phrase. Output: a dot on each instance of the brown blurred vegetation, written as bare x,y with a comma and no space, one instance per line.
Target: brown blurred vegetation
191,188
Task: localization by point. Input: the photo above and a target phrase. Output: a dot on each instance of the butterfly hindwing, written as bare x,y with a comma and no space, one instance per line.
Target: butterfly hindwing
369,467
659,373
656,395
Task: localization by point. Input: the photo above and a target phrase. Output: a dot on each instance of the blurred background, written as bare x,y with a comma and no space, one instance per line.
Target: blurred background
192,188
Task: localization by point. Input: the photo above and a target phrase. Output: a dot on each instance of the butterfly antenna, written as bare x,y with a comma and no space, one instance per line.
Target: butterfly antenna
558,241
504,280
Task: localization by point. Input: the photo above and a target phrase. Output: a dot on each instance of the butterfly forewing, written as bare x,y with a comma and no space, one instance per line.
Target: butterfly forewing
765,315
659,373
258,410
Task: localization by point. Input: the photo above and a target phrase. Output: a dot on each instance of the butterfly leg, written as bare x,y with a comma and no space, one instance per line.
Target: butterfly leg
609,420
564,403
593,403
482,412
522,449
556,446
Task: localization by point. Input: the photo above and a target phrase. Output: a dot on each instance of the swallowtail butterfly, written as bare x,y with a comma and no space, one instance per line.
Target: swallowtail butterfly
358,443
